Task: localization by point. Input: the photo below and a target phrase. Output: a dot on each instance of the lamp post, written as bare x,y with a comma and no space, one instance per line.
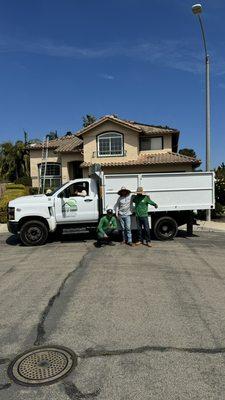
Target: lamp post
197,9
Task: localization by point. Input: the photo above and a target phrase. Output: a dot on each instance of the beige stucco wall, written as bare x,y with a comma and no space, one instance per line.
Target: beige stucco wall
131,143
35,159
65,159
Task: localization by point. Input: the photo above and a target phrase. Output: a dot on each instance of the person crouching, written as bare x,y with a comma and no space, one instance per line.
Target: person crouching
107,229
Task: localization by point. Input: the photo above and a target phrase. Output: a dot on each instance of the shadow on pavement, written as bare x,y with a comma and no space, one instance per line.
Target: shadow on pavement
81,237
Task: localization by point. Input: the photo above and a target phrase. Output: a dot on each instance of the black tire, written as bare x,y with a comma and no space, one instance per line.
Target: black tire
165,228
34,233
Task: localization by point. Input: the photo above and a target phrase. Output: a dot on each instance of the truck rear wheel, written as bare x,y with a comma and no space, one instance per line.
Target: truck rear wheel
165,228
34,233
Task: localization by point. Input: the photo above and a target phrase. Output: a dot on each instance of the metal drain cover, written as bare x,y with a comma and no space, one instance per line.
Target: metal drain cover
42,365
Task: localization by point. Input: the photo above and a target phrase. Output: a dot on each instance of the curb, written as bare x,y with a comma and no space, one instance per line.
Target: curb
3,228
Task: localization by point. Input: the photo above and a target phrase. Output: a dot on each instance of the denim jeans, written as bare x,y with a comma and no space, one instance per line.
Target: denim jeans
142,222
125,222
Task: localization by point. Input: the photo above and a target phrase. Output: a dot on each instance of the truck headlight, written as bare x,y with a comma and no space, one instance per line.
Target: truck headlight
11,213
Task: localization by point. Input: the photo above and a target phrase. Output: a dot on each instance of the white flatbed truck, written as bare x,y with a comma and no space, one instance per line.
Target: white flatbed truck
33,218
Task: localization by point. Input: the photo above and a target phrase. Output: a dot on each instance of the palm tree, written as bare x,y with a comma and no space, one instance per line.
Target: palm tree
14,160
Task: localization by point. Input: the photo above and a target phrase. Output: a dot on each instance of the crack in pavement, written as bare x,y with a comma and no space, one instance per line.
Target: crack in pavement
78,272
74,393
89,353
5,386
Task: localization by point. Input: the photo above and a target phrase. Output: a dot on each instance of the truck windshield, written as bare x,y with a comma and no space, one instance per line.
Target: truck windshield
56,190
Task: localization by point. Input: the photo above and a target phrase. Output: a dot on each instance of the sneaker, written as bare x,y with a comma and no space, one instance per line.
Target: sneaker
148,244
137,243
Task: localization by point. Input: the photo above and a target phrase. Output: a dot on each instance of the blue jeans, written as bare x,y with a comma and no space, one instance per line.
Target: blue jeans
125,222
142,222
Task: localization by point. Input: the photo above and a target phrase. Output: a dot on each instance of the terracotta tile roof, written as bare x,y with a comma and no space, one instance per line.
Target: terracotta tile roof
136,126
63,145
71,145
157,158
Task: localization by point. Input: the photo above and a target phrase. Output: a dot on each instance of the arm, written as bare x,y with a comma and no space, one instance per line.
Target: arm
114,223
151,202
100,229
116,208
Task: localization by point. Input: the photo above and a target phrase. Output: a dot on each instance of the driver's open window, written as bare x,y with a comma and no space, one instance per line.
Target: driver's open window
78,189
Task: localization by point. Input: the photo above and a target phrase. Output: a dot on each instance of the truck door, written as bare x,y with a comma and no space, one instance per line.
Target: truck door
76,204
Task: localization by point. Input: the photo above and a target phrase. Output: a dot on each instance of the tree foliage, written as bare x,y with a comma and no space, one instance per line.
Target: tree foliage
88,120
188,152
14,161
220,184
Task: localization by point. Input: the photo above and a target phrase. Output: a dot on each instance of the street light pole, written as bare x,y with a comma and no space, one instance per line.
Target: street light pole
197,9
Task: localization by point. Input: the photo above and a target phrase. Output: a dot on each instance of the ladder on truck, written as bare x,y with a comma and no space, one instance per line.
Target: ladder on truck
44,161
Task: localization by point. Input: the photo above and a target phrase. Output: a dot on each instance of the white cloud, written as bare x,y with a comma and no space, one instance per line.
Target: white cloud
107,76
176,54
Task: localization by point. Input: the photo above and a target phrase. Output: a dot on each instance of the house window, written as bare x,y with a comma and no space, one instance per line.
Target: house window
52,175
151,143
110,144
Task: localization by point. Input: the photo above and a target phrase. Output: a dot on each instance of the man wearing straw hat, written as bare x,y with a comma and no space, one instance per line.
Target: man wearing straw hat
123,208
141,201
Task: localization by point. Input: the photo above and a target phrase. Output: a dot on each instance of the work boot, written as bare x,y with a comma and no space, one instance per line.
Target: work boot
148,244
138,243
111,244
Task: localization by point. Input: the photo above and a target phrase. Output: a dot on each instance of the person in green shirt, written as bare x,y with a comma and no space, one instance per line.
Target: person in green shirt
107,228
141,202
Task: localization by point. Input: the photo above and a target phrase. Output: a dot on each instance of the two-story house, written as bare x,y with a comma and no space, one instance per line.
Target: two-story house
119,146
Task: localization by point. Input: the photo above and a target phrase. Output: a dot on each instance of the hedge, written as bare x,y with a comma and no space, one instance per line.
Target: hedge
11,193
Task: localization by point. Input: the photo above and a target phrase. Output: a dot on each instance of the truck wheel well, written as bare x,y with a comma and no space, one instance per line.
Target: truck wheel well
31,218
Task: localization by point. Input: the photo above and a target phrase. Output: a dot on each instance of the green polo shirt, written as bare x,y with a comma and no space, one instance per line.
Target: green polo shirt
106,223
141,205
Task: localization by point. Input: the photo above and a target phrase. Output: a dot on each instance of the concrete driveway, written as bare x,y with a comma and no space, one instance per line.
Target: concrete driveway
144,323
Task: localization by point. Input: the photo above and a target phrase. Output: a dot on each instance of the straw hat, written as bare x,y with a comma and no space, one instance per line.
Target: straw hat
123,189
140,190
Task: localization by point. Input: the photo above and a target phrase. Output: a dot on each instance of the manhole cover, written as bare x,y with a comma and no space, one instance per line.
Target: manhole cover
42,365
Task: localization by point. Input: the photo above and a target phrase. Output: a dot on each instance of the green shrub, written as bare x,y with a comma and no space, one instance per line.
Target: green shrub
25,180
13,186
33,190
11,193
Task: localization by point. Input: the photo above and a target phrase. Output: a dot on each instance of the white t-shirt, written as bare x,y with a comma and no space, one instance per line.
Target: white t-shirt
124,205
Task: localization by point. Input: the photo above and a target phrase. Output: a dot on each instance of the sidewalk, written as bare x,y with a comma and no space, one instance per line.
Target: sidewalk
207,226
3,228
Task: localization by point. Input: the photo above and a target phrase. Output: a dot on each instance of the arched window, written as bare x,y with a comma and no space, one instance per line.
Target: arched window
110,144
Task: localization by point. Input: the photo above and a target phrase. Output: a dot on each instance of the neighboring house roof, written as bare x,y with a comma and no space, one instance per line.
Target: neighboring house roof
65,144
148,159
136,126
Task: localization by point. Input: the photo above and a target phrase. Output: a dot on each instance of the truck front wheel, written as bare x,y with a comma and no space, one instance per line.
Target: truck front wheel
165,228
34,233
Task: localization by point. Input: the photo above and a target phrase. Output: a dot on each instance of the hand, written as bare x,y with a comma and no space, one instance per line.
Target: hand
156,206
105,236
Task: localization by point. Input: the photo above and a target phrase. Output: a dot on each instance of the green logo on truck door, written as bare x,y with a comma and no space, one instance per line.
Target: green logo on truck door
70,205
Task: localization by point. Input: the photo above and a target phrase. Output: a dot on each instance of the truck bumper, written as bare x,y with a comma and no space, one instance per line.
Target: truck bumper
12,227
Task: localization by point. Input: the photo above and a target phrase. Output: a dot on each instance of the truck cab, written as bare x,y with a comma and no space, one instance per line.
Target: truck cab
73,204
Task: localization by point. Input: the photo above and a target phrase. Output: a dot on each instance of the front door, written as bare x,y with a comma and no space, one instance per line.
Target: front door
75,205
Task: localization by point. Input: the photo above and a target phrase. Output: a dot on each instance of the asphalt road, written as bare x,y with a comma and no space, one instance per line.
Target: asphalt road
144,323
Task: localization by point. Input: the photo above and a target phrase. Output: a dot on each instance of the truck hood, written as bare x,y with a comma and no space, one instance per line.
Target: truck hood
38,199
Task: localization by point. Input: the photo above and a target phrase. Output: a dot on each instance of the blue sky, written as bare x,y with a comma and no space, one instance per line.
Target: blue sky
142,60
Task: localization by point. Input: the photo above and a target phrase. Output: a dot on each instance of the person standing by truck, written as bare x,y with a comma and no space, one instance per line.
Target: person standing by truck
107,228
123,208
141,202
